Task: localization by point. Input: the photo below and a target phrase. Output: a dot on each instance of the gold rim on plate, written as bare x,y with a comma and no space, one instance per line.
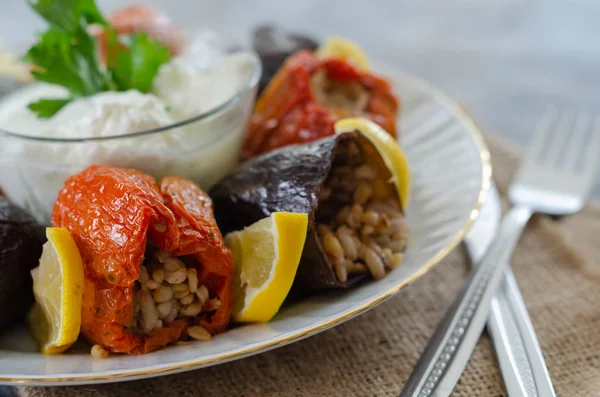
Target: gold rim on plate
486,178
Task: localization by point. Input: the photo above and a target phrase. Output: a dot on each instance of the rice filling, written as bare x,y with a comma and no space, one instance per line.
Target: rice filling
167,289
359,220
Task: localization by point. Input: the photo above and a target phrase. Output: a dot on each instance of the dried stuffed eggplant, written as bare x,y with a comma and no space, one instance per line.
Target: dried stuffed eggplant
274,45
21,240
356,225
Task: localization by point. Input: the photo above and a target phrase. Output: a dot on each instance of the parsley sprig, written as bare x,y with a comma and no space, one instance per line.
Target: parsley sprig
66,54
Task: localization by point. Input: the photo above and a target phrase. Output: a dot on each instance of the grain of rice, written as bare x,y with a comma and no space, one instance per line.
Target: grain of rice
181,288
181,295
151,284
172,264
193,280
353,221
370,217
164,309
397,224
192,310
158,275
332,246
387,254
98,351
356,268
176,277
382,208
395,260
383,225
397,246
212,304
163,293
202,294
375,264
396,236
367,230
149,312
143,277
341,271
375,247
186,300
199,333
173,314
382,241
347,243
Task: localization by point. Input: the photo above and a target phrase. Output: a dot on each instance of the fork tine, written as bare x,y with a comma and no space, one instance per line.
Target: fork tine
558,139
577,139
592,152
542,130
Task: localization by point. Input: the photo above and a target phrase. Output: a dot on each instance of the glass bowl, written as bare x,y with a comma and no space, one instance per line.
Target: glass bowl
203,149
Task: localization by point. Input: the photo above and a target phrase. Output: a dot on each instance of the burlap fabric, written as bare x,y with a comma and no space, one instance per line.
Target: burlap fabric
374,354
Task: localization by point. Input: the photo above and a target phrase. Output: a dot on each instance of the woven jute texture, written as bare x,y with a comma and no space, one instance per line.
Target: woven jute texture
373,355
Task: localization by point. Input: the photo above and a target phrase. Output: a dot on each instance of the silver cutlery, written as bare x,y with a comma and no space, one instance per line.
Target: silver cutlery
508,323
555,178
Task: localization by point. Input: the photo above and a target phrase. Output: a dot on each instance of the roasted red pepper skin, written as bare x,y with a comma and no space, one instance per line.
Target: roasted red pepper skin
287,111
200,237
111,213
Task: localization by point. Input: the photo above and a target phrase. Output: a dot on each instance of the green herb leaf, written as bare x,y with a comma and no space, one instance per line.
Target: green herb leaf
136,66
67,55
45,108
69,61
67,14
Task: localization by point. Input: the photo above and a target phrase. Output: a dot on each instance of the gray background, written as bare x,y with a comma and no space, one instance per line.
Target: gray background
506,59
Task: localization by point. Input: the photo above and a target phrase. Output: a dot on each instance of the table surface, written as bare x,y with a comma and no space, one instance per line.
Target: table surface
507,60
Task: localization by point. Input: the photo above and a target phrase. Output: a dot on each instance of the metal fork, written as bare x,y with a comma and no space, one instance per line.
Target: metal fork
556,178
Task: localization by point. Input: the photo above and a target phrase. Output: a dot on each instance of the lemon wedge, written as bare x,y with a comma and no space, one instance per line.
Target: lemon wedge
58,286
338,47
387,146
266,255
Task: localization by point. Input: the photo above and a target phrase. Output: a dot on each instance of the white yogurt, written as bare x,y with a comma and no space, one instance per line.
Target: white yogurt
32,172
190,91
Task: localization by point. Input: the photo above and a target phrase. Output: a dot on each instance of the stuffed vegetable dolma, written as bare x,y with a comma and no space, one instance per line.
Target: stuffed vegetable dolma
155,264
356,224
21,240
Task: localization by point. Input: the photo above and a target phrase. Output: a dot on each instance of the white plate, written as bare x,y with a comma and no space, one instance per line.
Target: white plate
451,176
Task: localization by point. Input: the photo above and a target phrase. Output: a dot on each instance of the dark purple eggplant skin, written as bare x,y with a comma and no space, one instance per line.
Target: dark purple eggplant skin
289,180
21,240
274,45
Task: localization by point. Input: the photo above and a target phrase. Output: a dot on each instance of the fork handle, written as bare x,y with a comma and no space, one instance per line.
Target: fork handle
519,354
438,370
